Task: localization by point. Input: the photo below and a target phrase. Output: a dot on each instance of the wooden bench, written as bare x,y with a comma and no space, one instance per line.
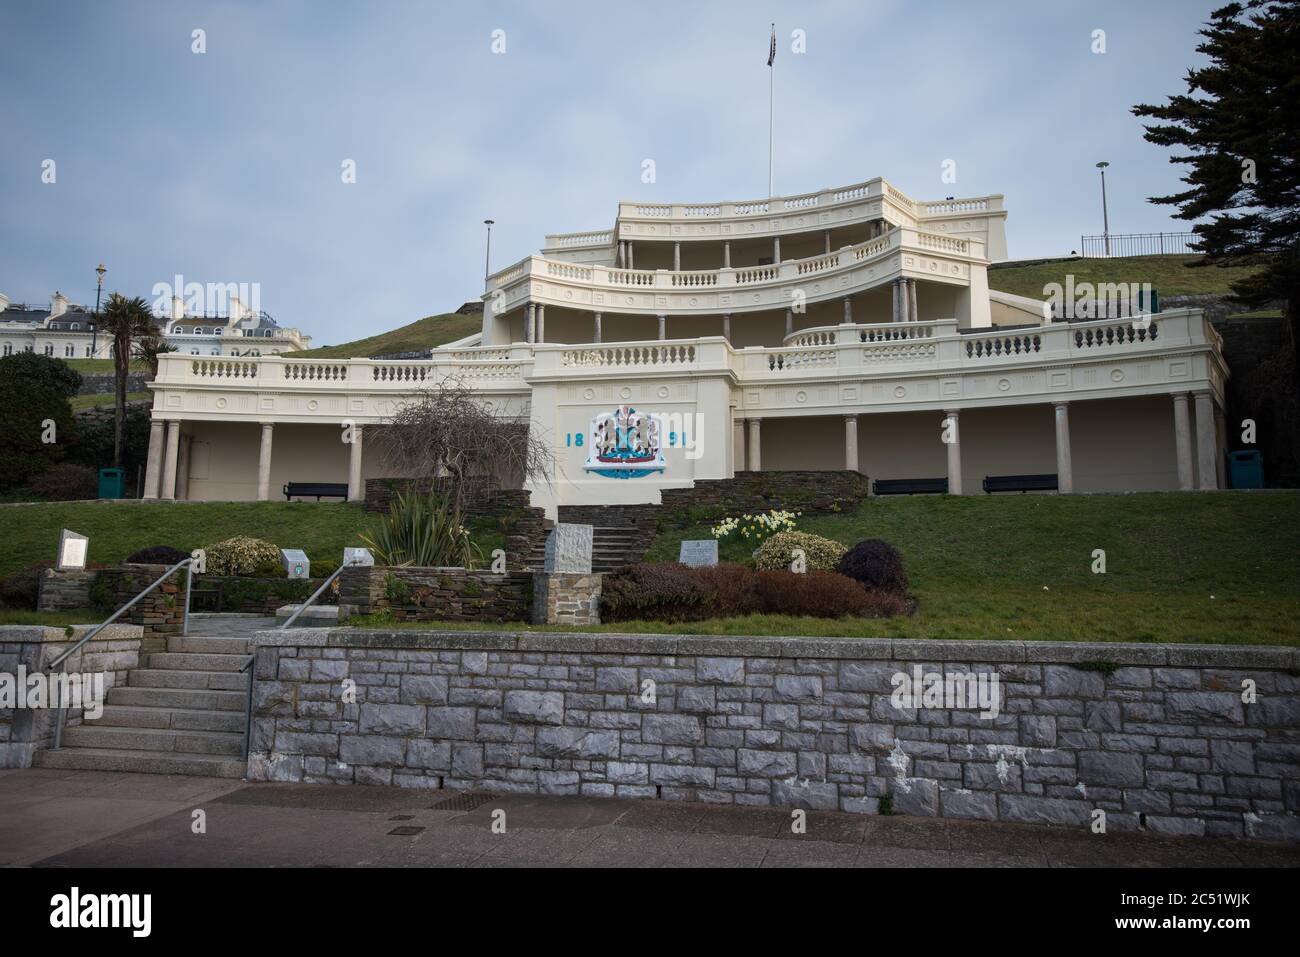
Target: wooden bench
318,489
1020,483
917,486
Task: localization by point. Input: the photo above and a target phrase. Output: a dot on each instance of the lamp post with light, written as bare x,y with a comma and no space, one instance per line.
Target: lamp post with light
1105,216
487,257
94,326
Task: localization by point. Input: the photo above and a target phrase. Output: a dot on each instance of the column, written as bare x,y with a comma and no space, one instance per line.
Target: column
911,300
737,446
621,257
851,443
630,263
726,255
954,453
848,309
776,250
530,323
153,465
755,460
1064,465
1183,441
677,257
897,312
726,326
183,468
541,323
596,330
663,327
168,490
1206,447
789,321
356,488
828,242
264,464
905,304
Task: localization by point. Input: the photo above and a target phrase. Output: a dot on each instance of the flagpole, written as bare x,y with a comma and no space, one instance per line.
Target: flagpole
771,90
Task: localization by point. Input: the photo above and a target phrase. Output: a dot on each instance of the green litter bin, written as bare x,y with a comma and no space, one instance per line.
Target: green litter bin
1246,469
110,483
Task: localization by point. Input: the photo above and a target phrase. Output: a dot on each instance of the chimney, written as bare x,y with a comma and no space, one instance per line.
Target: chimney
58,305
236,310
178,308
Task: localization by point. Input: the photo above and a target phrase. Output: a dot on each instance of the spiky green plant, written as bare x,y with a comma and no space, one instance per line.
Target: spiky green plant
421,530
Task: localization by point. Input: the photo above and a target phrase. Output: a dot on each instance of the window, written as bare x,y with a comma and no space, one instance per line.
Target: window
69,350
194,352
87,352
27,348
216,352
9,349
76,326
49,348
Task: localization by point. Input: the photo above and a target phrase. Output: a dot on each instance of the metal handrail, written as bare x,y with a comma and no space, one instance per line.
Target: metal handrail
188,564
248,705
317,593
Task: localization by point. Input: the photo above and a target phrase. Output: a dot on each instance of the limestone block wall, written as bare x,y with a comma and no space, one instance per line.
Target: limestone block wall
1158,737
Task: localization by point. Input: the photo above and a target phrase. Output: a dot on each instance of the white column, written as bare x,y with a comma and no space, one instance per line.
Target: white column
183,468
789,321
737,446
1183,441
848,309
851,442
530,323
755,458
264,464
726,255
911,300
954,453
897,313
663,327
726,326
153,466
356,488
1206,445
776,250
541,322
828,242
1064,465
677,257
621,258
596,323
168,490
631,264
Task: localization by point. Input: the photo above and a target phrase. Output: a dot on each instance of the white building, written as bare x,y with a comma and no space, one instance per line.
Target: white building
67,331
847,329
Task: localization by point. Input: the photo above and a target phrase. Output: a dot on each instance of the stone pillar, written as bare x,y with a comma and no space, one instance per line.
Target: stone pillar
776,250
677,257
905,300
848,309
622,259
153,466
1206,444
896,314
911,300
663,327
789,321
168,490
530,323
726,326
851,442
1183,441
356,488
828,242
596,330
954,452
541,323
630,260
737,446
1064,465
726,255
755,459
264,464
183,468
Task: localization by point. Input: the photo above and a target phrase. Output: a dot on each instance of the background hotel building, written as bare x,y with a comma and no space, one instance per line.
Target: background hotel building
834,330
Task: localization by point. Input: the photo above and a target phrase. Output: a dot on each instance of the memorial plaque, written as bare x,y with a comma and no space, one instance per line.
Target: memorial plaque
296,563
72,550
568,549
701,553
358,556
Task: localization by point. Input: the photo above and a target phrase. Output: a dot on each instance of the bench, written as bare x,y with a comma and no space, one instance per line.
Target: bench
917,486
1020,483
318,489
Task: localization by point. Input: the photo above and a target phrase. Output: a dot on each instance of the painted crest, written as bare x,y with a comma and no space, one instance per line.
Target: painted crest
625,444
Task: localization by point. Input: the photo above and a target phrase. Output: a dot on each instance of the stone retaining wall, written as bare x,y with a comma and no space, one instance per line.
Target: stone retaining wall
1156,736
64,589
114,652
437,594
160,613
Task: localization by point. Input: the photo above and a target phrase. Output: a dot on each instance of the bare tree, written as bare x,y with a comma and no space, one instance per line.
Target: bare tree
447,434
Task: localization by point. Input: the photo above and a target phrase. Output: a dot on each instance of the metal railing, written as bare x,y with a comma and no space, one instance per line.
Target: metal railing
1136,244
188,565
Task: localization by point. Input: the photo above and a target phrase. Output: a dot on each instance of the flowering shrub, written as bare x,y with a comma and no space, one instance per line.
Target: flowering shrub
777,553
758,528
242,555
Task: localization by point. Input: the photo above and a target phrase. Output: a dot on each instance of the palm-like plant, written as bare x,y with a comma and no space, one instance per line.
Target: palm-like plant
148,349
421,530
125,320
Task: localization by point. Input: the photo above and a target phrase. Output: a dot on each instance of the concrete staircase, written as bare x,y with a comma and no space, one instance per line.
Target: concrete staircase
612,548
181,712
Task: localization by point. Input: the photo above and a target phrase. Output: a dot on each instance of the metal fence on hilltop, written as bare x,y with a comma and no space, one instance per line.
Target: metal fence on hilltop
1136,244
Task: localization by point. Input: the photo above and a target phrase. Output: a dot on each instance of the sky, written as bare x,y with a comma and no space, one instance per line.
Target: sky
227,166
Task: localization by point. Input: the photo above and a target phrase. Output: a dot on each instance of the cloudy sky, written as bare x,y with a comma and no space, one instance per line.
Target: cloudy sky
226,166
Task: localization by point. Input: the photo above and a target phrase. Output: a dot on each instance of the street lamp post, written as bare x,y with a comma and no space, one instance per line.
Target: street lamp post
94,326
487,256
1105,215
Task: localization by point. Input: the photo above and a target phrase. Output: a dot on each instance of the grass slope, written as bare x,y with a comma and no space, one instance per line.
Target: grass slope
422,334
1170,275
93,400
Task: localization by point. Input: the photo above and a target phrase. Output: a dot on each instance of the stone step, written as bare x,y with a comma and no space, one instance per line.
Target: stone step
190,662
145,762
153,739
207,645
179,719
134,696
190,680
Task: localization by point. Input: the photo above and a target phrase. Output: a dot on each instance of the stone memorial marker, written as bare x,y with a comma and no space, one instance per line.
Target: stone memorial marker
568,550
358,556
72,550
700,553
296,563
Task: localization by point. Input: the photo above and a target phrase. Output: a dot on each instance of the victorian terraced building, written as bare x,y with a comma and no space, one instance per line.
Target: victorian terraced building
852,328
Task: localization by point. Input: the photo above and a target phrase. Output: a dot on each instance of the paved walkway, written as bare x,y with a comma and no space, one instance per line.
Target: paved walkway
93,818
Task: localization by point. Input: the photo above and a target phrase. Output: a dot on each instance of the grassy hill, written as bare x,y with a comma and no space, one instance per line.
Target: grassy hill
1170,275
422,334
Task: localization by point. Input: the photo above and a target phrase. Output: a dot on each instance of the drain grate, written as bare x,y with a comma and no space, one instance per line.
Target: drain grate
465,801
406,830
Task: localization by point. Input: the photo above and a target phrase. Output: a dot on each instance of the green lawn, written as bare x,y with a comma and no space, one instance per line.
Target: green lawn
103,365
76,616
422,334
1170,275
104,398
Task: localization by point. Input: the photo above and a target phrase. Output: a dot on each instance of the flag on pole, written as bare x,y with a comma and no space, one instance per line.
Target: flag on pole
771,53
